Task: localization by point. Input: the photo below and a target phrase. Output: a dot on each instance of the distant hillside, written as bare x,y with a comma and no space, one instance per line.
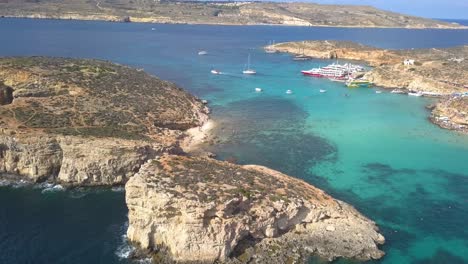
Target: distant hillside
229,13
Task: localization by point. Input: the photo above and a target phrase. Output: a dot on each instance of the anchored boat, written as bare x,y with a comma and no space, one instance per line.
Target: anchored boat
358,83
335,71
247,70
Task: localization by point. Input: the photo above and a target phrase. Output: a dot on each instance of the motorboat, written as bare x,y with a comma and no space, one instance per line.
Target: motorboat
202,52
415,94
397,91
289,92
258,90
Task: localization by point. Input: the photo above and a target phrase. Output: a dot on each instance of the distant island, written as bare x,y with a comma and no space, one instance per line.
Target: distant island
79,122
218,13
432,72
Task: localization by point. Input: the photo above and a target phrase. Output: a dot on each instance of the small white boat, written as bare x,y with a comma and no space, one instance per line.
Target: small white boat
202,52
415,94
378,92
251,72
269,50
289,92
153,29
323,91
215,72
397,91
258,90
247,70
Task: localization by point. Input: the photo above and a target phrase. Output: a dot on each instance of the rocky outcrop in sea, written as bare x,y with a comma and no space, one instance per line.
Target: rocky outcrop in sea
190,209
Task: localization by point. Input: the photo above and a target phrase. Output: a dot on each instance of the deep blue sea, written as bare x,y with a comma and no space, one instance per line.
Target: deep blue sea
377,152
459,21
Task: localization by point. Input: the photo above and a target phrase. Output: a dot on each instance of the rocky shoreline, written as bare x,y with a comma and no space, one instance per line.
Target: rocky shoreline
181,208
440,73
218,209
452,114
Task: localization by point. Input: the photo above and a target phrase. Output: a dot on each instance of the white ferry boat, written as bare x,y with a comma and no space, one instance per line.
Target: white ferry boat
334,71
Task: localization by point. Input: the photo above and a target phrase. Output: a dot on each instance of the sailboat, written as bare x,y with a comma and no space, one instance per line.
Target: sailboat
269,49
301,57
248,70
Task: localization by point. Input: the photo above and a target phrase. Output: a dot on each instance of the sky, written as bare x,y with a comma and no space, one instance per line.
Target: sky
452,9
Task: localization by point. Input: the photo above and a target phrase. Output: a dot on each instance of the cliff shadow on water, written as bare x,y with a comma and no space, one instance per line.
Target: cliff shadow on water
268,131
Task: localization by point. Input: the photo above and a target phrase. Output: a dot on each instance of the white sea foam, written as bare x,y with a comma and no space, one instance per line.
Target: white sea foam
43,185
124,250
55,188
4,183
20,184
118,189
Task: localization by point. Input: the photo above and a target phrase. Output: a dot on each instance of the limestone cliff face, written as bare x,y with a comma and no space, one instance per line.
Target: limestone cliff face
198,209
73,160
87,122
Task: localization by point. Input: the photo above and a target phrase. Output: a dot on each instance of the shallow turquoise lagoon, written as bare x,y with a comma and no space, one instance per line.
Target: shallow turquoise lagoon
376,151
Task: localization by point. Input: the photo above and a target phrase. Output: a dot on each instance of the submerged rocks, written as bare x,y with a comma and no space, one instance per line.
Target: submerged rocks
202,210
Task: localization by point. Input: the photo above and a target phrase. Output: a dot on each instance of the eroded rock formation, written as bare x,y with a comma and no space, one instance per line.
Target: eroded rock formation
199,209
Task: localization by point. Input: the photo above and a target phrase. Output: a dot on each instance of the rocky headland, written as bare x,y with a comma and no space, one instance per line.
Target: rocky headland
218,13
87,122
200,210
78,122
433,72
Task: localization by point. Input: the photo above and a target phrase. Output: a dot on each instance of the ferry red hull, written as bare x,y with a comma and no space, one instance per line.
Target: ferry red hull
312,74
322,76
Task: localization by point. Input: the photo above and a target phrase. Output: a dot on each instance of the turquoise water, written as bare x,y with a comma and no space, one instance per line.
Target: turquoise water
375,151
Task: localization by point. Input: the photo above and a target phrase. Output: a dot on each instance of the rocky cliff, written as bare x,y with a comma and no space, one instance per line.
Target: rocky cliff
228,13
452,114
188,209
87,122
